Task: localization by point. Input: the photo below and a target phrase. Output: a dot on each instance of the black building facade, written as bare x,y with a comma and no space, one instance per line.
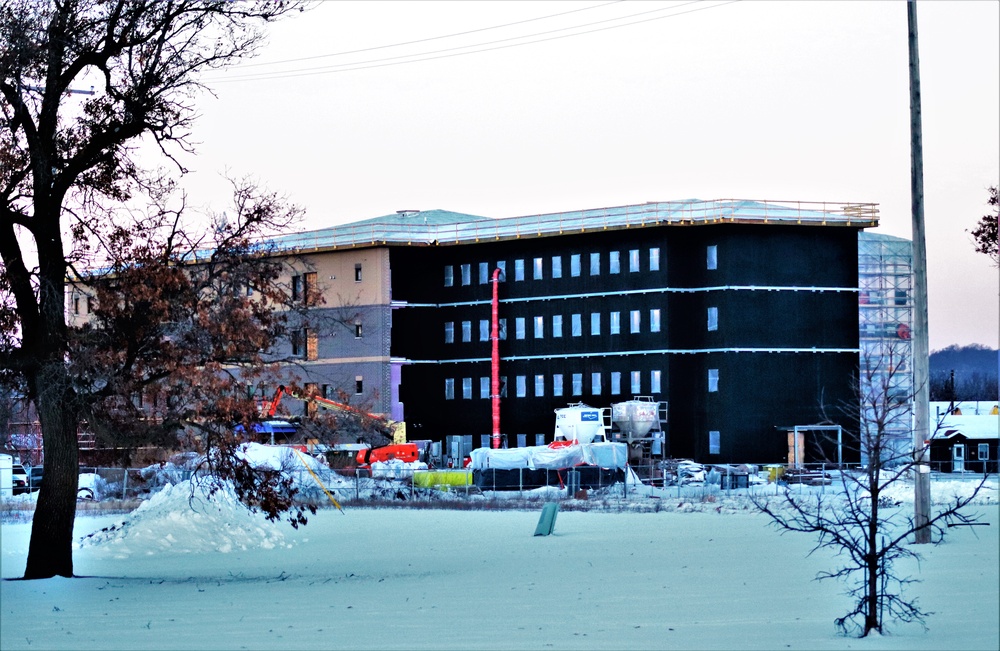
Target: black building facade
741,324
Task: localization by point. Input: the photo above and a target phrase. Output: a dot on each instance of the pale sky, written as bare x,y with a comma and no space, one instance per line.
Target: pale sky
750,100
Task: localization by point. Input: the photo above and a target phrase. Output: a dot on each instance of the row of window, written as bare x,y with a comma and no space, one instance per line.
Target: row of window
575,325
576,384
576,260
305,289
556,384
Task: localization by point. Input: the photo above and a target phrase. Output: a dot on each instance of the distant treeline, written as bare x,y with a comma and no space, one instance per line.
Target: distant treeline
975,373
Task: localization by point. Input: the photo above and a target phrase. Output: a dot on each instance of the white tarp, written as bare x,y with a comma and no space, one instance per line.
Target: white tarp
605,455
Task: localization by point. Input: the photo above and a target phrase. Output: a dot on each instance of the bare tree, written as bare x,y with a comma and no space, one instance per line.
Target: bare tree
985,234
68,169
860,523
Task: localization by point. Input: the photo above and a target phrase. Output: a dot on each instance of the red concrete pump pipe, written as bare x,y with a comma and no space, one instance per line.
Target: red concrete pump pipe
495,361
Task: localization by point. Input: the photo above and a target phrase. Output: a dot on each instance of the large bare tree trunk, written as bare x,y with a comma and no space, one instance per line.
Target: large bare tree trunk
50,551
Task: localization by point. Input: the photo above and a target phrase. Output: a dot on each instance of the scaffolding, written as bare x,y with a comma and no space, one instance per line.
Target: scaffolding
885,320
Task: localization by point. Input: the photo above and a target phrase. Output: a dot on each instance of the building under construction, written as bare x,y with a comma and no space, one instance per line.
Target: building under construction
742,315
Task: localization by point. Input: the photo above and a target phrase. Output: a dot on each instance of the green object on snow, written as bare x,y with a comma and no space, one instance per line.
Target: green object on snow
547,521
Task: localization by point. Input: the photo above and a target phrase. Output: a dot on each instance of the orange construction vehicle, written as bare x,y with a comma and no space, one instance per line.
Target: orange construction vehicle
405,452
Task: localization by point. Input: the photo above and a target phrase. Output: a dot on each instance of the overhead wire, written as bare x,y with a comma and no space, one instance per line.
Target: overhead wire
451,52
425,40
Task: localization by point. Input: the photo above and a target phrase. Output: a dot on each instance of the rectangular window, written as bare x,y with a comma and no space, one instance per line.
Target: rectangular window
712,257
312,343
616,383
502,266
635,321
557,325
357,272
359,384
614,262
519,327
616,323
503,386
654,320
714,442
466,331
595,264
296,288
467,388
595,323
654,259
484,388
502,329
518,270
557,387
298,342
984,452
539,386
557,266
449,388
539,271
578,384
309,291
449,276
539,327
357,330
76,305
713,319
633,260
522,386
636,382
713,380
577,325
484,330
574,265
484,273
449,332
466,274
595,384
654,381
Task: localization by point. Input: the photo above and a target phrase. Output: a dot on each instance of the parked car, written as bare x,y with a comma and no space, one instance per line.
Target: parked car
35,478
20,479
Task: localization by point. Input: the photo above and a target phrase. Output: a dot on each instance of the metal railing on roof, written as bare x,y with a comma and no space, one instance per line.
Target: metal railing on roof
374,233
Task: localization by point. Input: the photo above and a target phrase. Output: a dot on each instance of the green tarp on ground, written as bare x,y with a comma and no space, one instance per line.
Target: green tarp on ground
432,478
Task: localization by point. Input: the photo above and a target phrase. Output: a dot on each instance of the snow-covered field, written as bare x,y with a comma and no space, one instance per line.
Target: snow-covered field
183,574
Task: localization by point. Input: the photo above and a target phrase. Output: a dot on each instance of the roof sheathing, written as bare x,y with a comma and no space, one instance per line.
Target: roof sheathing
440,227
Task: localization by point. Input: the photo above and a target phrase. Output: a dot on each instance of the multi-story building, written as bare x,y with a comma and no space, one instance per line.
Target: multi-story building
741,315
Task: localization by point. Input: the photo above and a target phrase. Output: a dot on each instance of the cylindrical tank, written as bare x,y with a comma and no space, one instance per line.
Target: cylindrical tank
578,422
634,418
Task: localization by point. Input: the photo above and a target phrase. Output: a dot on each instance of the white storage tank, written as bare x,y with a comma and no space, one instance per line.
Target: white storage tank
579,422
636,417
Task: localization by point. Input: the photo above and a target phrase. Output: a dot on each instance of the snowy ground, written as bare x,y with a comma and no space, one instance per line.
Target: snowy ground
695,575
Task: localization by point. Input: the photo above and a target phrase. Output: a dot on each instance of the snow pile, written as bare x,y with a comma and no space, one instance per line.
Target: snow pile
396,469
186,519
945,491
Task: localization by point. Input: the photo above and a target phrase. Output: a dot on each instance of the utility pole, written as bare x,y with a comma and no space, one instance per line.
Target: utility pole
921,347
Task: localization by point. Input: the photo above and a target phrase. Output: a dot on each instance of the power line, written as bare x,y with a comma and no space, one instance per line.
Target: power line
450,52
425,40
